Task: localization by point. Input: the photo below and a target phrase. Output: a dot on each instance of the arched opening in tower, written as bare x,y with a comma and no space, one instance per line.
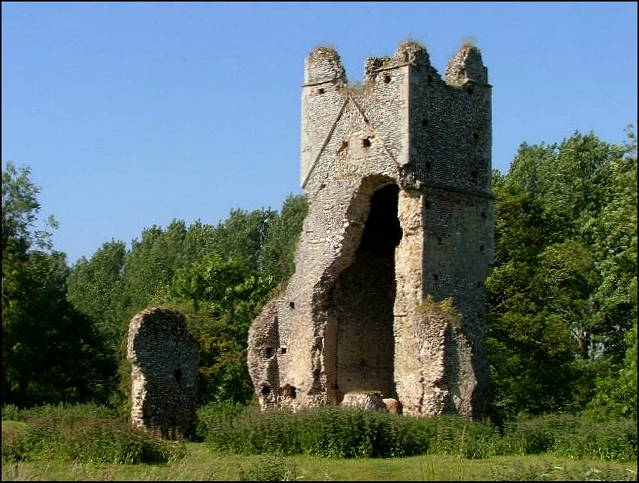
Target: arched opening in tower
363,302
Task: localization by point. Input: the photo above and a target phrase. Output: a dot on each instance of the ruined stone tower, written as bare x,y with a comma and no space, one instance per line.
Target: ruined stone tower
397,176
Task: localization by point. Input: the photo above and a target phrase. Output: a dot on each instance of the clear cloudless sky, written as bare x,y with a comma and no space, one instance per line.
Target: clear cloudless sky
135,114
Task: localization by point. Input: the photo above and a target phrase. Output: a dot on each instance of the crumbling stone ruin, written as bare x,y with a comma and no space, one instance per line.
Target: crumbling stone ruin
164,358
397,173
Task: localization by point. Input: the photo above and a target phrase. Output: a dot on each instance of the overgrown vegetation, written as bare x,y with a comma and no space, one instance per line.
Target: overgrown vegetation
444,308
82,433
98,435
349,433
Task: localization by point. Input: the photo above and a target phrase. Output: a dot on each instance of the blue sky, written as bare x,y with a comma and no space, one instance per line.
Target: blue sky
135,114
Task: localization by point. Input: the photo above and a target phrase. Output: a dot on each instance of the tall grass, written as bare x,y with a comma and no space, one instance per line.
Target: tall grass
96,434
351,433
83,433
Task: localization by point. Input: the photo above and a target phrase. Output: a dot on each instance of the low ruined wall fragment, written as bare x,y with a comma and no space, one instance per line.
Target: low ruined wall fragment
164,358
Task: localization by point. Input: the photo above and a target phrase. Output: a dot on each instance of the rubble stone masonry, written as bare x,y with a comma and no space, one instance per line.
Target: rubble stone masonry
164,358
397,172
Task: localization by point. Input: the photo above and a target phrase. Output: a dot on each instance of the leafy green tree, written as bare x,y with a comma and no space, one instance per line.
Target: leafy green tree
96,288
220,299
20,208
241,237
281,238
50,352
530,349
616,393
565,234
615,238
152,263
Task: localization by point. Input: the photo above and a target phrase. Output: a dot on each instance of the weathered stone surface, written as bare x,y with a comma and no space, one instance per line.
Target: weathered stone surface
164,358
364,400
397,177
393,406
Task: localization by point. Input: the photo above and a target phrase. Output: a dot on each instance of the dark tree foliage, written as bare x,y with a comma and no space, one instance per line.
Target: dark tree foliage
562,291
51,353
96,288
282,235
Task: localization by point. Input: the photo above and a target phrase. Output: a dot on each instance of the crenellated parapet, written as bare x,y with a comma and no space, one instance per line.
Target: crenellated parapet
447,118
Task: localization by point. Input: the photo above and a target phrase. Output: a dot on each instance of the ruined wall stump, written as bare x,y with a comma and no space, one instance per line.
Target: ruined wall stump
164,358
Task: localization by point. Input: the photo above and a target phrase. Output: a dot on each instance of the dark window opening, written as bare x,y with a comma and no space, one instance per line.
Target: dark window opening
387,79
435,277
475,136
473,174
291,305
283,350
269,351
470,90
266,390
428,164
366,142
426,204
290,391
425,122
481,248
382,231
483,215
320,91
439,240
178,375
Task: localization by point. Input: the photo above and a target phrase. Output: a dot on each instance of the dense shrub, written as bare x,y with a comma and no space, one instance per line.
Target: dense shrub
349,433
253,432
342,433
570,436
609,440
89,433
213,415
11,412
14,446
527,435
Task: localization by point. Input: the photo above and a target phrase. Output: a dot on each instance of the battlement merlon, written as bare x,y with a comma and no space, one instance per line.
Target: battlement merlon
466,66
408,53
323,65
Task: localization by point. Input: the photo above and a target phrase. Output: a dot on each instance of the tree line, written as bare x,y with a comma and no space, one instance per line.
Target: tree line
562,292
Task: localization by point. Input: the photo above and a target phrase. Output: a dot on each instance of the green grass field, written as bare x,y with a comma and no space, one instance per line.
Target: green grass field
200,464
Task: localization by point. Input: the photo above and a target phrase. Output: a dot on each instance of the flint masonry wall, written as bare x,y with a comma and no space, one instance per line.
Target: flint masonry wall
397,177
164,358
